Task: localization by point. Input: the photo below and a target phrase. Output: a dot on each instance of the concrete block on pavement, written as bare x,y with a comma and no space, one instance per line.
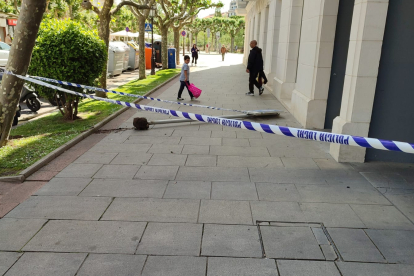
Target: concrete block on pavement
112,264
231,241
175,266
152,209
61,207
241,267
88,236
47,264
15,233
171,239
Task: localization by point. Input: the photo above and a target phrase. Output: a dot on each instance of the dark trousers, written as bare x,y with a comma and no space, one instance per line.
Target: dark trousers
253,81
182,89
194,58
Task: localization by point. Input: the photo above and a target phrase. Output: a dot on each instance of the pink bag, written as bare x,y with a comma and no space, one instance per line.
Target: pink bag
194,90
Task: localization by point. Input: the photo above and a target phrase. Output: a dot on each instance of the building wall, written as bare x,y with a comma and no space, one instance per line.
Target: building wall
298,39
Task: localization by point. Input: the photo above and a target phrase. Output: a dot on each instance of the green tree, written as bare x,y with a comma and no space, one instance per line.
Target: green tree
30,17
233,28
171,11
105,16
65,50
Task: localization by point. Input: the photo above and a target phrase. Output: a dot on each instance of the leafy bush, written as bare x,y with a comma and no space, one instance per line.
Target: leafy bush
65,50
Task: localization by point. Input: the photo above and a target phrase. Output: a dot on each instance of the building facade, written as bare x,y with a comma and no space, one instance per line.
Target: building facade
344,65
233,7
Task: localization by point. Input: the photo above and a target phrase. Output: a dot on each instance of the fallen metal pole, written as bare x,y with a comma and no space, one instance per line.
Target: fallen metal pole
252,114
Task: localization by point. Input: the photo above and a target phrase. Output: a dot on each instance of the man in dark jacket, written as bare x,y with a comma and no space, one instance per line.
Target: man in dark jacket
254,66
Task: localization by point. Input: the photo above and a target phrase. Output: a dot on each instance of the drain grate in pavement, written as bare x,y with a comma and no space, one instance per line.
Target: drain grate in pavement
296,241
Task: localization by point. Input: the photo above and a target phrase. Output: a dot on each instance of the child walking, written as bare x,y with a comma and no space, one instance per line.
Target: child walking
185,78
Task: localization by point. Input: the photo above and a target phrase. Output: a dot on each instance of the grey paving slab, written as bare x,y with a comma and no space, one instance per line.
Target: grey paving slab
277,192
87,236
223,134
386,180
320,236
64,186
231,241
405,203
131,158
241,267
345,177
153,140
167,159
355,246
201,161
306,268
171,239
213,174
47,264
397,246
269,141
239,142
117,171
299,163
332,215
277,211
7,259
190,133
80,170
250,162
151,209
157,172
225,212
61,207
343,193
115,138
331,164
296,151
297,243
328,252
382,217
125,148
249,134
239,151
234,191
126,188
112,264
283,176
154,132
361,269
176,149
188,189
190,149
175,266
96,158
15,233
195,141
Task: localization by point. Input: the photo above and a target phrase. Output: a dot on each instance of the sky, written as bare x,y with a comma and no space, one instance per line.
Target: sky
226,7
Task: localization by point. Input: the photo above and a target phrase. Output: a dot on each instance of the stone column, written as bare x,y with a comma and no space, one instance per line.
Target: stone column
309,99
256,27
288,51
272,41
246,41
367,33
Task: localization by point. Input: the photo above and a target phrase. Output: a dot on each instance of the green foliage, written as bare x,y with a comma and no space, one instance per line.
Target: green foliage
65,50
122,19
8,6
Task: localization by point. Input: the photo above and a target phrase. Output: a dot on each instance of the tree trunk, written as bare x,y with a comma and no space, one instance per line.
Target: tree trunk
232,44
31,15
164,50
141,42
176,32
104,31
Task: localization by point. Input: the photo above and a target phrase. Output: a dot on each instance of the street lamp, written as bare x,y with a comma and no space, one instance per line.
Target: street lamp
152,14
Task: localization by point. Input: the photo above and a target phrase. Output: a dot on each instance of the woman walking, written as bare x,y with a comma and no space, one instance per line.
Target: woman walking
194,53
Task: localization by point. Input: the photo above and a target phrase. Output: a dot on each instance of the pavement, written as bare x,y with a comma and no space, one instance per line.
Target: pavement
202,199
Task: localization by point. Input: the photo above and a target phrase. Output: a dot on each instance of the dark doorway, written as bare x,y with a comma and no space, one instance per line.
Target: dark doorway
393,111
340,55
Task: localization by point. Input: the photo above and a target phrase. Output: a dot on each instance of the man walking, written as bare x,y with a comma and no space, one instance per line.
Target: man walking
254,66
223,51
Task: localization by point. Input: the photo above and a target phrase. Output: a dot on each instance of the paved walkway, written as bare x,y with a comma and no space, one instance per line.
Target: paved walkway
199,199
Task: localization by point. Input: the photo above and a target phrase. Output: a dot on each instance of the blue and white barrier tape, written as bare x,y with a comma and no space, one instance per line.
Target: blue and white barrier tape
273,129
141,97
